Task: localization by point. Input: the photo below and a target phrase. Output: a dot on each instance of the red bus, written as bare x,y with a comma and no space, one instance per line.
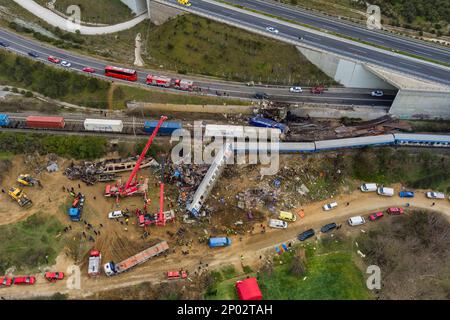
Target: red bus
121,73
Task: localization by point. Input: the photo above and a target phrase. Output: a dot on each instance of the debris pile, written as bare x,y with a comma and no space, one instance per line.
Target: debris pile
251,199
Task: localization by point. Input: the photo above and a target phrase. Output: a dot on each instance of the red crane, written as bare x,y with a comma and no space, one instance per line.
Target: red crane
131,186
161,217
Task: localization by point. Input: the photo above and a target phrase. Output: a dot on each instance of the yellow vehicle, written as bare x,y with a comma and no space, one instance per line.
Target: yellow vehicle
27,180
185,3
287,216
19,196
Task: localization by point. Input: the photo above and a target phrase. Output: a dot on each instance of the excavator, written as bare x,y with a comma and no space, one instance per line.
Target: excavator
27,180
133,186
18,195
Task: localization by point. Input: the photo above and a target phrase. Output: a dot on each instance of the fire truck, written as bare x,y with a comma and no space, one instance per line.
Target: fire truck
159,81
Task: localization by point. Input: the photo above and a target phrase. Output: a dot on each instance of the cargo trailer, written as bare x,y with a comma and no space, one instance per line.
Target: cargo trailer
103,125
166,128
45,122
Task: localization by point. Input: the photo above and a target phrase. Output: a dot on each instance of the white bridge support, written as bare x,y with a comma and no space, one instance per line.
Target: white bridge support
210,179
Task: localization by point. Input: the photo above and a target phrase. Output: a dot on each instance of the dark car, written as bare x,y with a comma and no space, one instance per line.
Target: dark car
4,44
33,54
261,95
328,227
305,235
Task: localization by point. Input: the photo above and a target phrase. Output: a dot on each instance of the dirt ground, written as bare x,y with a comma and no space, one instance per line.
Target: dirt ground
116,243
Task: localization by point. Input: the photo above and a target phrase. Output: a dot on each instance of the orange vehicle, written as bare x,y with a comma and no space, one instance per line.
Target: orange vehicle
182,274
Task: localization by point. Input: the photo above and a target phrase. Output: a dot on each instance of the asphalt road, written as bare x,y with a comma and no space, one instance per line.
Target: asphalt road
370,55
338,96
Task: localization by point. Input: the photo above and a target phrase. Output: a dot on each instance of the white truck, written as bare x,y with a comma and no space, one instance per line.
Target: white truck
383,191
435,195
112,268
95,259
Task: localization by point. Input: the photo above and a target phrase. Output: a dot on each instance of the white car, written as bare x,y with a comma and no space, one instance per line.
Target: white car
369,187
356,221
115,214
295,89
272,29
66,64
330,206
377,93
435,195
278,224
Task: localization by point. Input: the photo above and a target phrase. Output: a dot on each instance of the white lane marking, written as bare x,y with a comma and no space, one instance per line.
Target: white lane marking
376,40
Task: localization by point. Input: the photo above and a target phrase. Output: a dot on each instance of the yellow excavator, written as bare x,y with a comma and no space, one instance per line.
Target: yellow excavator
27,180
18,195
185,3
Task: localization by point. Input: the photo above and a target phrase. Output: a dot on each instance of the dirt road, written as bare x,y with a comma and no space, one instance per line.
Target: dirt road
251,246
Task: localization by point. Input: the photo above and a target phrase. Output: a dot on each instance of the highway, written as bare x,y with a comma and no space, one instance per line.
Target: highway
337,96
289,33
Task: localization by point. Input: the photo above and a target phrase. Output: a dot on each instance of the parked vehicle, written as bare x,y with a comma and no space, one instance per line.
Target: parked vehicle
395,211
376,216
272,29
278,224
261,95
306,234
4,120
54,276
159,81
121,73
369,187
287,216
219,242
383,191
53,59
377,93
89,69
103,125
77,207
33,54
115,214
435,195
6,281
328,227
406,194
45,122
330,206
112,268
356,221
95,259
172,275
295,89
28,280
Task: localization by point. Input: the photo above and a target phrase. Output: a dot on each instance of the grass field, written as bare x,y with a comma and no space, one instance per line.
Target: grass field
98,11
26,244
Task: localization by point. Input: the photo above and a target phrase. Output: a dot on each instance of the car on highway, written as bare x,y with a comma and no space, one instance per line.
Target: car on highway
330,206
435,195
4,44
356,221
66,64
24,280
54,276
5,281
377,93
306,234
278,224
272,29
261,95
115,214
53,59
406,194
295,89
395,210
328,227
317,90
376,216
89,69
33,54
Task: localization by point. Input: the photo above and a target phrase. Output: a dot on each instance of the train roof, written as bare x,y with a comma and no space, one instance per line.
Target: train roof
239,131
412,137
354,142
104,121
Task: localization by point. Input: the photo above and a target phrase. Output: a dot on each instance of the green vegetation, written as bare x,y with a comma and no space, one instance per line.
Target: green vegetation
387,165
51,82
78,147
430,126
196,45
30,243
98,11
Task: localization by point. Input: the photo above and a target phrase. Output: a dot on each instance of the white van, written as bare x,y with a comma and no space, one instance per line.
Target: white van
356,221
278,224
435,195
330,206
115,214
368,187
383,191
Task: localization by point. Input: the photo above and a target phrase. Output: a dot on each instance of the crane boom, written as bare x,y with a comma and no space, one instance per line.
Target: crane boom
144,152
161,218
